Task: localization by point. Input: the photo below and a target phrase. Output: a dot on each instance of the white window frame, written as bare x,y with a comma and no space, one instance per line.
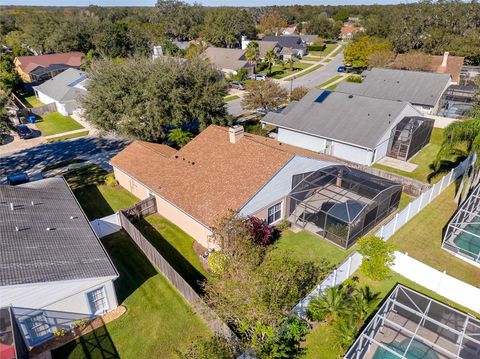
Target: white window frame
93,308
273,207
34,336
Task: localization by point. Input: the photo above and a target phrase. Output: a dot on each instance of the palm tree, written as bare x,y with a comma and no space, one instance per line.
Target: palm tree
290,61
328,306
253,53
346,331
270,59
362,303
179,136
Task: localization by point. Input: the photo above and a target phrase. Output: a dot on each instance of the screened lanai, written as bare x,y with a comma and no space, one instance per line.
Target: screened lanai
463,232
340,203
409,136
410,325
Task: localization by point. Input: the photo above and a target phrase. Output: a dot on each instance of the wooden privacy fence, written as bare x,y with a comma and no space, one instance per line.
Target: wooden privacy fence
192,297
141,209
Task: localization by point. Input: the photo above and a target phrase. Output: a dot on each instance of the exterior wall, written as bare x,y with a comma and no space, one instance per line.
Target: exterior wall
65,296
192,227
298,139
351,153
24,76
263,213
65,109
44,98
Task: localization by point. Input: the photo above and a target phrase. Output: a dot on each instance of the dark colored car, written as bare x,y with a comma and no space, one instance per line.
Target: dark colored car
24,132
18,178
237,85
341,69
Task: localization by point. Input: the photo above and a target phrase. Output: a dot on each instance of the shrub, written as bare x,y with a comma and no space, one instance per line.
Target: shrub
282,226
215,347
241,75
377,257
298,93
60,332
317,47
354,78
262,232
217,262
110,180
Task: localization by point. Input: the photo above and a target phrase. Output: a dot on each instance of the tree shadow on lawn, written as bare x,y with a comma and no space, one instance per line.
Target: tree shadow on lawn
172,255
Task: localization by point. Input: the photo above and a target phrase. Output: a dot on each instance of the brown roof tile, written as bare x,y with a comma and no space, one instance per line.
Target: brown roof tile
209,175
29,63
454,65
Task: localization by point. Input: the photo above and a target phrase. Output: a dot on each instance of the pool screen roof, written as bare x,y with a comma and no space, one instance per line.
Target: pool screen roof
411,325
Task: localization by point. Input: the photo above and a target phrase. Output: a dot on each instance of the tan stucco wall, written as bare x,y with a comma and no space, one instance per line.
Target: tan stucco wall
198,231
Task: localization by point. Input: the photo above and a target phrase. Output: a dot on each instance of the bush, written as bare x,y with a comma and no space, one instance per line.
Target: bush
354,78
110,180
317,47
262,232
282,226
215,347
217,262
298,93
262,66
377,257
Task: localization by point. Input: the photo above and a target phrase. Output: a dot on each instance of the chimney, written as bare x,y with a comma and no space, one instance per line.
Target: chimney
445,59
235,133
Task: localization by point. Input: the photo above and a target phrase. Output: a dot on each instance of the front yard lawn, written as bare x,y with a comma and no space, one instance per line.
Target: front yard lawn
54,122
230,98
422,237
328,49
311,58
279,72
310,69
326,83
158,321
175,246
424,159
96,198
69,137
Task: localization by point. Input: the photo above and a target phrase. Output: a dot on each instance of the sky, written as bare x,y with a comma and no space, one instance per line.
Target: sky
203,2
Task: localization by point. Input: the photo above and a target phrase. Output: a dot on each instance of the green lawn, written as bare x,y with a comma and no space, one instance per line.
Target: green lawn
311,69
68,137
306,246
279,72
423,159
422,237
321,341
97,199
328,49
309,58
175,246
158,321
54,122
32,101
405,199
326,83
230,98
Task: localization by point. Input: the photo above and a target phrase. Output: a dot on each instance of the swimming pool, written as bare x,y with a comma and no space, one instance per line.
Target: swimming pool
417,350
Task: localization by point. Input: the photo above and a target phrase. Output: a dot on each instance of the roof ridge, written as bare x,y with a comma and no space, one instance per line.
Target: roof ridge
147,144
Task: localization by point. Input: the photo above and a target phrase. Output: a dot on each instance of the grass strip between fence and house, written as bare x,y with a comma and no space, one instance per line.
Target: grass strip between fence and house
68,137
54,122
230,98
311,69
158,322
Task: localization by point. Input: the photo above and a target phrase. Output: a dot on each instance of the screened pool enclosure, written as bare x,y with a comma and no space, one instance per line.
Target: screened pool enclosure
409,136
410,325
463,232
340,203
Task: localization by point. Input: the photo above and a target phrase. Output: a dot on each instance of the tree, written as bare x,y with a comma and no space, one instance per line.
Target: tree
328,306
377,257
141,98
346,331
267,95
358,50
9,78
270,59
290,61
323,26
363,303
4,120
252,52
298,93
414,60
179,137
380,58
193,51
272,23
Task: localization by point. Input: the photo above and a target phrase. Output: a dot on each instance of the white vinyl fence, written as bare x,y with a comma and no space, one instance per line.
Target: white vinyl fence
451,288
425,198
338,276
106,225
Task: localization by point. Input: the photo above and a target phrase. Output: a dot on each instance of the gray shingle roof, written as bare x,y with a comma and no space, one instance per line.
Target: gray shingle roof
32,254
347,118
418,88
66,86
223,58
290,41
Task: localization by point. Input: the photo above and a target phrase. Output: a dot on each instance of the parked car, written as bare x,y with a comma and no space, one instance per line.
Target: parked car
17,178
237,85
341,69
24,132
261,77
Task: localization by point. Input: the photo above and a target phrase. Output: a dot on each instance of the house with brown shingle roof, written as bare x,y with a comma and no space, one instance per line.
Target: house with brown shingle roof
222,169
43,67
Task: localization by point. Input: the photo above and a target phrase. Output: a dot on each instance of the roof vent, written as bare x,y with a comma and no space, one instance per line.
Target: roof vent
17,229
350,96
193,163
33,203
73,217
50,229
235,133
11,206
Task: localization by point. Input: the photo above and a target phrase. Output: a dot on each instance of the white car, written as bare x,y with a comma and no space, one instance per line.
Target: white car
260,77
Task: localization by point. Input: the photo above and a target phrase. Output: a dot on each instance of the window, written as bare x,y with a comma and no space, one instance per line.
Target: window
37,327
98,301
274,213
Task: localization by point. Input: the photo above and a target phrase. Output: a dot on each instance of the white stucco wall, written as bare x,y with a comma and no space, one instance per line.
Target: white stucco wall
312,143
67,296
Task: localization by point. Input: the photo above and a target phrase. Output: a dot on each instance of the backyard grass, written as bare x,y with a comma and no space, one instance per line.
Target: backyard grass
423,159
54,122
96,198
321,342
405,199
311,69
68,137
326,83
230,98
175,246
422,237
158,321
306,246
32,101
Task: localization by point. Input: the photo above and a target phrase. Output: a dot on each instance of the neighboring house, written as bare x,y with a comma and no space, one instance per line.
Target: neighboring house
42,67
421,89
263,46
309,39
53,268
229,61
289,30
352,127
445,64
291,42
65,90
347,32
226,169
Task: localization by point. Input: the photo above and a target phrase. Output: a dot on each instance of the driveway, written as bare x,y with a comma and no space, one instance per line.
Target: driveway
33,160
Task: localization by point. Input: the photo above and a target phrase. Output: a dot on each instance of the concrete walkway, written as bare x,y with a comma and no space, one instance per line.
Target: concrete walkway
397,164
66,133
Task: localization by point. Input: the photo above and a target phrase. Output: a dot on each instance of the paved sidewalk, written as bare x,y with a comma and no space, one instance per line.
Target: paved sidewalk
67,133
397,164
93,131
